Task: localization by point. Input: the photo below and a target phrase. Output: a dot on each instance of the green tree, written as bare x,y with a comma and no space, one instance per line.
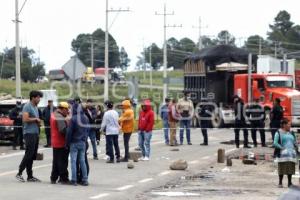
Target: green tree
224,37
29,69
253,43
124,60
284,34
207,42
82,47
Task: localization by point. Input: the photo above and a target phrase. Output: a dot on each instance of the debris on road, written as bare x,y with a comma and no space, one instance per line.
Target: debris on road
130,165
179,165
174,149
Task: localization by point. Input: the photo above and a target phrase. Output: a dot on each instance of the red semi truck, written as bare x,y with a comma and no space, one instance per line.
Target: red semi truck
207,77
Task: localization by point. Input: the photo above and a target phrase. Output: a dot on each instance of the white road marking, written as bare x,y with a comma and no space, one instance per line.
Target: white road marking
125,187
145,180
164,173
19,153
99,196
194,162
205,157
16,171
230,150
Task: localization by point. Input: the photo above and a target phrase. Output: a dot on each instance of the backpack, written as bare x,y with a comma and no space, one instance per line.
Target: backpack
277,151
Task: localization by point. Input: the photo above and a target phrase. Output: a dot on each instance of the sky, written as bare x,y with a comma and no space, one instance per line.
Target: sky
49,26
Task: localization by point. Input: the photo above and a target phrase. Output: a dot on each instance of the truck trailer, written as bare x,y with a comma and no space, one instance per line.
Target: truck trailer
217,74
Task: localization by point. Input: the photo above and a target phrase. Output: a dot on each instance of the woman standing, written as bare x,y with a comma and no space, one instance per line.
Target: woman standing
285,143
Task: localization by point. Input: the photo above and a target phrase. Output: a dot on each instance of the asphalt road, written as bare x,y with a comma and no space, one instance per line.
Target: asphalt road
112,181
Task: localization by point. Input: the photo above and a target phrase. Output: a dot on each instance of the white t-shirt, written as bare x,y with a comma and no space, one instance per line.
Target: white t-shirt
110,122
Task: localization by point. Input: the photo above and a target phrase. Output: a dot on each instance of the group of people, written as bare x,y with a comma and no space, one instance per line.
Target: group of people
182,112
285,142
68,128
253,117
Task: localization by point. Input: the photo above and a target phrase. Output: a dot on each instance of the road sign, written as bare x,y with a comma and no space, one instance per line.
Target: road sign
74,68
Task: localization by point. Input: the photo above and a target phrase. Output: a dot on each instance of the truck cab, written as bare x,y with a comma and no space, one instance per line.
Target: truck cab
268,87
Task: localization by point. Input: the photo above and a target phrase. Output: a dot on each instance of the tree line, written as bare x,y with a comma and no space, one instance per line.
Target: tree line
283,37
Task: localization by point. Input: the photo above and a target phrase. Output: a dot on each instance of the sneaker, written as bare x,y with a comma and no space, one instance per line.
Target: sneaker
84,183
141,158
146,159
190,143
124,160
66,182
74,183
110,161
20,178
33,179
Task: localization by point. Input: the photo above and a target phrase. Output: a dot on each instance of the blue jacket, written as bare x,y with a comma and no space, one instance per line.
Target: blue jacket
164,113
78,127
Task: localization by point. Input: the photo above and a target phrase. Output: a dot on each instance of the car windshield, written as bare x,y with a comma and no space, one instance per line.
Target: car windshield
5,109
284,81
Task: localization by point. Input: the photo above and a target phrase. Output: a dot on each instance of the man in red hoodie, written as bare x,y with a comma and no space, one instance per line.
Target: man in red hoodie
59,125
146,123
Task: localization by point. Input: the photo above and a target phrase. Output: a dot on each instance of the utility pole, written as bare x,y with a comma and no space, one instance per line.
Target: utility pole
259,50
144,64
275,52
17,47
107,11
226,38
165,81
200,33
17,51
92,52
150,61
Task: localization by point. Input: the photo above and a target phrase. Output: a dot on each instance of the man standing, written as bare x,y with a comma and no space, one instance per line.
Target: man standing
256,115
186,110
31,123
91,114
59,125
276,117
146,123
16,116
77,134
164,115
240,122
205,115
173,117
127,125
110,123
46,117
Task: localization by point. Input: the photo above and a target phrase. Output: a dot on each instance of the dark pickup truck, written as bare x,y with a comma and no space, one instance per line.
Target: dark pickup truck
6,125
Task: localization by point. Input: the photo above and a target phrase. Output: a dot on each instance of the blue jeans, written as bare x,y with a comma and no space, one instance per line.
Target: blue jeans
78,149
144,142
92,136
185,124
166,131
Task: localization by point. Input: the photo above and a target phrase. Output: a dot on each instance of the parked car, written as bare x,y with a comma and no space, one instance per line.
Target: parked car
6,125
